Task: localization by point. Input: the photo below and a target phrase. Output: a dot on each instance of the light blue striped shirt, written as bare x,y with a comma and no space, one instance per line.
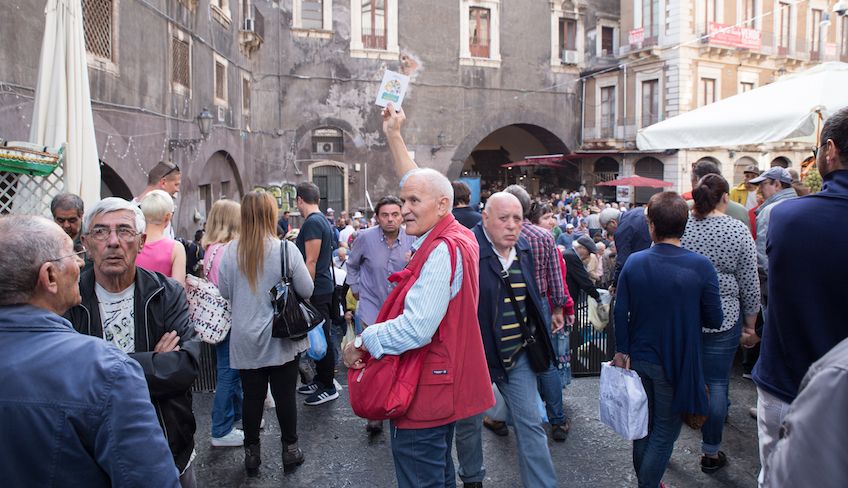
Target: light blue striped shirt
424,306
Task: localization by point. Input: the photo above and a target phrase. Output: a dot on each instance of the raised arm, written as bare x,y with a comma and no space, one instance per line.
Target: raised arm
392,122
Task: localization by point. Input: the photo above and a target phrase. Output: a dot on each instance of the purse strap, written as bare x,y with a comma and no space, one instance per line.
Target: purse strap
526,335
284,265
206,269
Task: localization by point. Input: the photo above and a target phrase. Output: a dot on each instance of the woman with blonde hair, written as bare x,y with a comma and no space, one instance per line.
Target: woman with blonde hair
222,226
161,253
251,266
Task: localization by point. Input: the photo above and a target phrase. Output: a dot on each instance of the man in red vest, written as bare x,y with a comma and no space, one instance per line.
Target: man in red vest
435,308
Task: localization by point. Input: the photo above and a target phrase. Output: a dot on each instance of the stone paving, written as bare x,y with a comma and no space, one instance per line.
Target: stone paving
340,454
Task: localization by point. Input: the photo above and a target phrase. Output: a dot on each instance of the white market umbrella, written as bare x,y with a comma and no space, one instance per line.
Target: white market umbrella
791,108
62,112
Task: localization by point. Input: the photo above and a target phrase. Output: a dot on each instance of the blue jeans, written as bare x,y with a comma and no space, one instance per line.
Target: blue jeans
550,383
226,408
651,454
423,457
534,458
469,449
717,352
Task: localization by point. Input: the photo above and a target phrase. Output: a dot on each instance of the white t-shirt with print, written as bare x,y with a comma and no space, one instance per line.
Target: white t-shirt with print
117,316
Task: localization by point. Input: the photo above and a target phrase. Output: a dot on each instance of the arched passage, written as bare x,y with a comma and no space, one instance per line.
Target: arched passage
781,161
111,184
739,169
650,168
605,169
514,143
219,179
331,178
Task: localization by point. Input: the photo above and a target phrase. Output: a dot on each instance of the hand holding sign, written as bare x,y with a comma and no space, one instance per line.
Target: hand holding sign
392,89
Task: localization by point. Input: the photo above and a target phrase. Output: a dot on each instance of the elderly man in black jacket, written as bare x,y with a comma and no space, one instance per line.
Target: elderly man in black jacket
145,315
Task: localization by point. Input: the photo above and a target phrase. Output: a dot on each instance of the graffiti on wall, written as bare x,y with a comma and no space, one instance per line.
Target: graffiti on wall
284,194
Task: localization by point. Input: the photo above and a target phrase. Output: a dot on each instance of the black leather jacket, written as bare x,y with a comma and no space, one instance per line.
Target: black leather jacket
160,307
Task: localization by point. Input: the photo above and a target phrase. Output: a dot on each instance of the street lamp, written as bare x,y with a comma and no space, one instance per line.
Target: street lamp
204,123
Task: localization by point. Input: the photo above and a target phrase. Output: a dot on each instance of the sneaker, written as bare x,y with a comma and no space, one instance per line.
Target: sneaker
309,389
234,439
711,465
322,396
374,427
559,432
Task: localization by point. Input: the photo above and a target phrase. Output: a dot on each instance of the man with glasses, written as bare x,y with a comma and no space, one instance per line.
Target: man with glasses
103,430
164,176
145,315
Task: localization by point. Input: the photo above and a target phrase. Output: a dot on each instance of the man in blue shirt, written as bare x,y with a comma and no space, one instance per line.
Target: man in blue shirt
104,430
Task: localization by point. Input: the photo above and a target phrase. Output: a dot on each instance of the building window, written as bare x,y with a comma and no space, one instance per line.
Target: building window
312,14
783,28
651,20
567,35
607,41
815,42
225,190
710,8
220,81
478,33
607,112
327,141
99,27
206,198
650,102
708,91
221,11
374,24
479,27
180,62
749,11
746,86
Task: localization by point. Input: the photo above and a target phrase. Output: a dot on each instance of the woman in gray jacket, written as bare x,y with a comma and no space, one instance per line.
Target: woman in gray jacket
248,270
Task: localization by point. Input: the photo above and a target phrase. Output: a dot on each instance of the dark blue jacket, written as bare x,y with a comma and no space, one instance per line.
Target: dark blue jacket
75,409
490,297
632,235
806,316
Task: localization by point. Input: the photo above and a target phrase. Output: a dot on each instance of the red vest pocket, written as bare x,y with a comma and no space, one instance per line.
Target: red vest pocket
434,399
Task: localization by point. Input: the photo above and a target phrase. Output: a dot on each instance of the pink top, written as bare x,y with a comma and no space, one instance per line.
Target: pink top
215,252
156,256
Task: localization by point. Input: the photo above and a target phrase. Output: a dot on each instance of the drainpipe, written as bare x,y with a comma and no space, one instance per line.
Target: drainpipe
582,110
624,99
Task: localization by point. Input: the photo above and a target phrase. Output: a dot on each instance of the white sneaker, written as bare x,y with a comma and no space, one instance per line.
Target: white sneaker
234,439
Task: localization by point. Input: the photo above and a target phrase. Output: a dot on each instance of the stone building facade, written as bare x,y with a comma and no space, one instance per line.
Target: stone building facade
291,86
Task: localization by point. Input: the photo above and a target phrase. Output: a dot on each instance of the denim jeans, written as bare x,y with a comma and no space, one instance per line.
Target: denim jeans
423,457
469,449
770,414
651,454
717,352
226,408
534,458
550,383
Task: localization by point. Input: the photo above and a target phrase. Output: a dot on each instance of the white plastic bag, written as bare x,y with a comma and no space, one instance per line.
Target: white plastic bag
623,402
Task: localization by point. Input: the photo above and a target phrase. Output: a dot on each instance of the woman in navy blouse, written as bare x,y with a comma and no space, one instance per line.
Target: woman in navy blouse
665,295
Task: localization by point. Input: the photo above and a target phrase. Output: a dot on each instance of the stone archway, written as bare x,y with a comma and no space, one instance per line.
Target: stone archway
219,179
781,161
650,168
331,178
739,169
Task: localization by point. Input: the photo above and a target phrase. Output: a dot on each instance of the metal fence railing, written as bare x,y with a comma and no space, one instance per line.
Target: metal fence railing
207,374
589,347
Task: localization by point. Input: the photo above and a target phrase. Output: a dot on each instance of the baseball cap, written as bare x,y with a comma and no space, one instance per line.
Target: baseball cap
357,215
569,226
752,168
588,243
774,173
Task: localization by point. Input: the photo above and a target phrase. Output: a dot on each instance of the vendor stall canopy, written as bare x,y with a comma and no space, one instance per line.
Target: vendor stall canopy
790,109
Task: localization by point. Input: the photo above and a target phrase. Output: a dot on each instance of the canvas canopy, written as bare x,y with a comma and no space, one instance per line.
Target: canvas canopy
790,109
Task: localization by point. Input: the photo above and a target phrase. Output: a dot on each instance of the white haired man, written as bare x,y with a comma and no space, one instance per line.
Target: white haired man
76,411
145,315
433,305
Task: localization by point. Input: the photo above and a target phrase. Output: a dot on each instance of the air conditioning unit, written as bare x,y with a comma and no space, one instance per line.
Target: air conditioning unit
222,114
249,25
326,148
569,57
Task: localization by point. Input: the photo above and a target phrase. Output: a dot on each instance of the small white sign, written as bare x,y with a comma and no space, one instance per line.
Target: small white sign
622,194
392,89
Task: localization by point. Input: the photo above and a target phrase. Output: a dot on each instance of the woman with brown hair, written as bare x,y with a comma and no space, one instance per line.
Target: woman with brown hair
728,245
222,226
251,266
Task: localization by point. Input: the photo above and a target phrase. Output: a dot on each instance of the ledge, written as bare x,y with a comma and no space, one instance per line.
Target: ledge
375,54
480,62
312,33
222,16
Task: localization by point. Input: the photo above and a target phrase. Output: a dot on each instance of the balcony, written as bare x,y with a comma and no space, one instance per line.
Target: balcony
252,32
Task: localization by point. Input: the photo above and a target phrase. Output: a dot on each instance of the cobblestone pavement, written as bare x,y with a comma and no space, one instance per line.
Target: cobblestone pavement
340,454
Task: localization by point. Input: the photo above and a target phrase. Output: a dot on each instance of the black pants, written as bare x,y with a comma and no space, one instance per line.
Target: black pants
325,368
254,383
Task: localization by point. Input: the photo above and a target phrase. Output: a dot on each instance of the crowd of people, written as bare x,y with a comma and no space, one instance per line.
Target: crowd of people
485,297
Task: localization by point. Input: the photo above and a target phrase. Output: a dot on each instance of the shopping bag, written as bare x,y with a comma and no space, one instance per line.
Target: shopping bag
623,402
317,344
500,412
350,335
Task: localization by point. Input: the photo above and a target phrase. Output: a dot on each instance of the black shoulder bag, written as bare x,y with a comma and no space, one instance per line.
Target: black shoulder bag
294,316
537,351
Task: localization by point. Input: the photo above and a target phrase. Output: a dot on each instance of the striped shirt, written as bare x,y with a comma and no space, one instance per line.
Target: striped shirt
424,306
510,328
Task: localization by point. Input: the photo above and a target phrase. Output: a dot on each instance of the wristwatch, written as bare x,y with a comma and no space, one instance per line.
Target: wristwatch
357,343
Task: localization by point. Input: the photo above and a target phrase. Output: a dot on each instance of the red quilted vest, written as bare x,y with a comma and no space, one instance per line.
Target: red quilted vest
454,382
